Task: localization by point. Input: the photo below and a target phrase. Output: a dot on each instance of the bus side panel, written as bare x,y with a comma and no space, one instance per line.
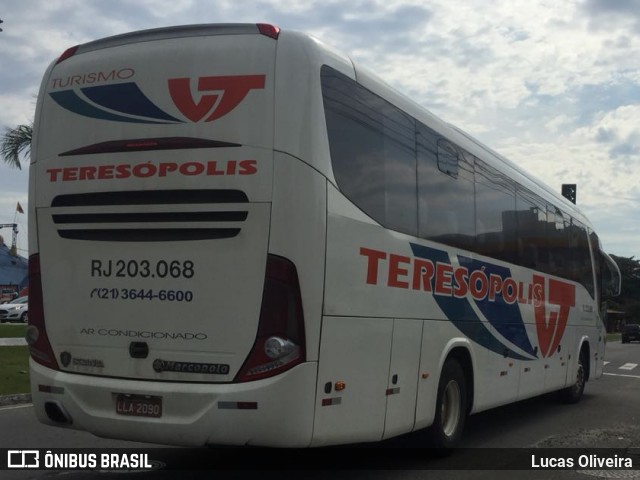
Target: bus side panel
355,352
438,340
298,232
556,365
300,124
531,378
498,380
556,369
402,385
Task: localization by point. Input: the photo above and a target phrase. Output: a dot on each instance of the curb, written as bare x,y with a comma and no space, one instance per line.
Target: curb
12,342
14,399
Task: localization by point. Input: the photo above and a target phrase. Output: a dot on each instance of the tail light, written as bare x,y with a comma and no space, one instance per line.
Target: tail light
268,30
68,53
280,343
39,345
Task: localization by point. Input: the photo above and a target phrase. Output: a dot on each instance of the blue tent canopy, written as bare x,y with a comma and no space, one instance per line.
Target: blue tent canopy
13,270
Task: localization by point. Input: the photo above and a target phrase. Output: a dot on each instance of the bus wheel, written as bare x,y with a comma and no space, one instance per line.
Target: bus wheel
573,394
451,407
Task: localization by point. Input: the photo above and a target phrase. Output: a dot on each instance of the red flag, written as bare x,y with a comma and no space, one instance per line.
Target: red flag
19,208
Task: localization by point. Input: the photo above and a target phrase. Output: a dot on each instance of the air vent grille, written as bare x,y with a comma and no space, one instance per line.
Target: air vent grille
148,216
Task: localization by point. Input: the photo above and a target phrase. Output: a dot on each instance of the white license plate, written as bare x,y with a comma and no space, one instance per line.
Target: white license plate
139,405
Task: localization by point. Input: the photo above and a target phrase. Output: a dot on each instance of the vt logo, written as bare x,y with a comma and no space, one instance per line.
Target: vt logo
223,94
560,298
125,102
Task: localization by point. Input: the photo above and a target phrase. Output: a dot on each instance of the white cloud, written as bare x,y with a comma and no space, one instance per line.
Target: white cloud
553,85
624,121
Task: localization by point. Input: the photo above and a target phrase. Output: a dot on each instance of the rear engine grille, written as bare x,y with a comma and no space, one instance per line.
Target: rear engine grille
148,216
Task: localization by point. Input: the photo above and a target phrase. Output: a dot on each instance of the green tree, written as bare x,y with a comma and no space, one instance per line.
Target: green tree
16,142
629,299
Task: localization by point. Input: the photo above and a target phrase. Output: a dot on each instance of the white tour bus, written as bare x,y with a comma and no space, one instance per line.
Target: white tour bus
237,236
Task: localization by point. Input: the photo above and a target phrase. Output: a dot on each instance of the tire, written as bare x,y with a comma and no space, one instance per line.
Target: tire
451,408
25,317
573,394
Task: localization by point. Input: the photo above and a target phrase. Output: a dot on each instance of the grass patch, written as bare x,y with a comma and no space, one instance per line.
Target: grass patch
12,331
14,370
613,337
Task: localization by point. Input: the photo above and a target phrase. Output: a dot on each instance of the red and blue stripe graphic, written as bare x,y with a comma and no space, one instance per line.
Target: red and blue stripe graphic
123,102
504,317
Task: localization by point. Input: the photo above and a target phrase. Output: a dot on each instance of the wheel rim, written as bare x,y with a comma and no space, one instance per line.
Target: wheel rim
450,413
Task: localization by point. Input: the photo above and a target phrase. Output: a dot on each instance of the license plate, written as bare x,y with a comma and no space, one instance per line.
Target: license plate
139,405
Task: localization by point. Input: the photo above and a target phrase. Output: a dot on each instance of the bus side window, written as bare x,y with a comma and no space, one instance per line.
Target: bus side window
495,205
447,158
446,211
372,145
531,219
580,257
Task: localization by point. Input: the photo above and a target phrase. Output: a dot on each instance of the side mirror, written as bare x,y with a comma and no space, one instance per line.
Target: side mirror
611,277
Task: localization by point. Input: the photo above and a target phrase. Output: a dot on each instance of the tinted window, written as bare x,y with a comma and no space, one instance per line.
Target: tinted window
411,179
496,225
581,271
448,158
559,242
445,191
531,219
372,145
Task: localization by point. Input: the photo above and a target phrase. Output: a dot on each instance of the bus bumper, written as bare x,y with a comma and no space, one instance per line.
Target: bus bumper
275,412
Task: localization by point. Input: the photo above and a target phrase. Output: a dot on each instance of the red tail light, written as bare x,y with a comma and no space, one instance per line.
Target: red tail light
36,336
280,343
69,52
269,30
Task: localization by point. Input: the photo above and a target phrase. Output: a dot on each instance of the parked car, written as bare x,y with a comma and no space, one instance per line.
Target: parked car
15,311
630,332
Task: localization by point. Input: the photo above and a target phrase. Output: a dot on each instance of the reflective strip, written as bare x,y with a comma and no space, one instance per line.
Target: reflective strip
238,405
50,389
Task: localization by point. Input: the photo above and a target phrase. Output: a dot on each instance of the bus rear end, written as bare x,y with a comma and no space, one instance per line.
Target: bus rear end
157,312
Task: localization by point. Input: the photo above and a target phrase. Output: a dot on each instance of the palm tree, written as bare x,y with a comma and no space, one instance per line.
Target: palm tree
15,142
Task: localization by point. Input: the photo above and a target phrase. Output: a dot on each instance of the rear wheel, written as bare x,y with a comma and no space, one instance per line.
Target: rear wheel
573,394
451,407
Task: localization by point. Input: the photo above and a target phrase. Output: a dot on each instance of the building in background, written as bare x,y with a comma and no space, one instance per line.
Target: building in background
14,273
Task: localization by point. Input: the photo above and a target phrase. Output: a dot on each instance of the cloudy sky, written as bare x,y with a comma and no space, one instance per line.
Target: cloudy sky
553,85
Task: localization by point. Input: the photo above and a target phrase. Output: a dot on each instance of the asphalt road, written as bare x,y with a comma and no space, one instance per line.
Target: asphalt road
607,417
